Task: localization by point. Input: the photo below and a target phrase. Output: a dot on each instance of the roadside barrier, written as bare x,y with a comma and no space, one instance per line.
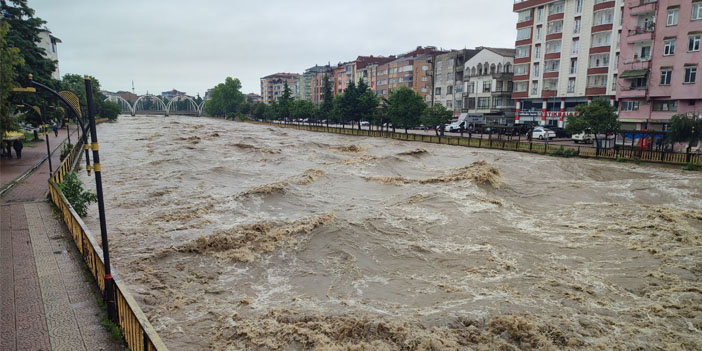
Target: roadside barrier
138,332
503,143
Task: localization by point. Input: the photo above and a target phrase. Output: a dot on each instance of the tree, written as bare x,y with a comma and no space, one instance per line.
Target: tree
303,109
110,110
9,59
684,128
24,35
225,98
285,101
405,108
327,99
366,104
436,115
259,111
598,117
245,108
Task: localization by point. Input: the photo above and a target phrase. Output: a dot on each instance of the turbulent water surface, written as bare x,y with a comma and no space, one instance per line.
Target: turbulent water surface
240,236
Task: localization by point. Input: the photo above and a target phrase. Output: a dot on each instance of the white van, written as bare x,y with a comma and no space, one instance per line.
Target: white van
464,120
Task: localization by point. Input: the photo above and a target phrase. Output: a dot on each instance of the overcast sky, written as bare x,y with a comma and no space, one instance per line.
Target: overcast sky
194,45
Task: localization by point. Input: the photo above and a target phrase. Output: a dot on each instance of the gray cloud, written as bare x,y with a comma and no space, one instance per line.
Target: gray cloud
194,45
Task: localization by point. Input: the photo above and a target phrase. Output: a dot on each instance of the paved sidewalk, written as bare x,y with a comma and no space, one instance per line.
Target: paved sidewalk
12,168
47,302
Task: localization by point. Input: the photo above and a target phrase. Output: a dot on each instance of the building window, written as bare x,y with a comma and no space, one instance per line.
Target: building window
576,26
571,85
553,46
523,33
576,46
554,27
520,70
697,10
459,104
665,105
578,6
459,88
538,32
449,104
486,86
483,102
669,47
449,89
597,81
556,7
630,105
639,83
520,52
534,87
520,86
601,39
666,75
550,84
645,53
599,60
537,51
535,72
690,74
694,43
551,65
524,16
672,16
471,88
603,17
573,66
437,91
540,14
450,62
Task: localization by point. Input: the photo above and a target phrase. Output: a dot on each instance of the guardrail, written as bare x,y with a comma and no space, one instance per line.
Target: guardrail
616,153
138,332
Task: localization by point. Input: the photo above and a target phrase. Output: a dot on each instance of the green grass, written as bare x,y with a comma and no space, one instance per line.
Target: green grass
114,329
691,167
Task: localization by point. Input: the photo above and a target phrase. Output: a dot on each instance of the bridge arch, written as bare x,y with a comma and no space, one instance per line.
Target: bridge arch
191,103
152,98
121,102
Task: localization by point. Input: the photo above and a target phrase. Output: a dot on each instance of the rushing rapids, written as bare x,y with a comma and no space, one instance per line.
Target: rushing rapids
241,236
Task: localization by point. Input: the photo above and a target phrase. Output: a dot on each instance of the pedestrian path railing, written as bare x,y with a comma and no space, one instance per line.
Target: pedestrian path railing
138,332
506,143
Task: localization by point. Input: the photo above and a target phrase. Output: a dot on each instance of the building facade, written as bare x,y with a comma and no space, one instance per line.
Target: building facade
566,54
448,79
487,86
312,83
253,98
414,72
50,43
272,86
659,62
172,93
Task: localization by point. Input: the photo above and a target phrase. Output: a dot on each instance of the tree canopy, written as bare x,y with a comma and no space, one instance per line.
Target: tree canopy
285,102
325,109
405,108
9,60
684,128
598,117
435,115
225,98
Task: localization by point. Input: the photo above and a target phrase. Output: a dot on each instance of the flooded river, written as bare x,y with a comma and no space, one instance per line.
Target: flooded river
239,236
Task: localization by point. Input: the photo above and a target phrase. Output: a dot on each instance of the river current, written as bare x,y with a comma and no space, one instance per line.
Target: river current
241,236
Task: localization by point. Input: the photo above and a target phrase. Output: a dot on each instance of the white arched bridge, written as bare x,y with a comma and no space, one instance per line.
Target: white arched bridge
152,104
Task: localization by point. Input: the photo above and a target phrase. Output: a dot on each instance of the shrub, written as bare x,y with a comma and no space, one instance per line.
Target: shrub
66,150
690,166
72,189
563,152
110,110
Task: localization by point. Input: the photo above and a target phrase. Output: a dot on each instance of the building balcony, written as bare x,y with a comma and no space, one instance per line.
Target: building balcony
640,34
502,76
502,92
628,92
635,64
640,7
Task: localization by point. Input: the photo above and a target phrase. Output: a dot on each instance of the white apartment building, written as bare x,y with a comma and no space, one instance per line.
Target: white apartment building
50,43
566,54
448,79
487,86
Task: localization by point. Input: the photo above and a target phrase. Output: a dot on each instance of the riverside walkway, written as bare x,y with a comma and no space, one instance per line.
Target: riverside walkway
47,302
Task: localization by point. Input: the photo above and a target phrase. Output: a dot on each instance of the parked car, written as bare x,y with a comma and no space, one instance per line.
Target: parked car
542,133
365,123
585,137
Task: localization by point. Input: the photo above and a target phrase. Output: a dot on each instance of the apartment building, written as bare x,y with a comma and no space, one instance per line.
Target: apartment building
487,85
659,64
448,78
49,43
367,69
312,82
413,69
566,54
272,86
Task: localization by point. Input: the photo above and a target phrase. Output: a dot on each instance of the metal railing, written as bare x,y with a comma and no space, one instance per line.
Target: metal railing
138,332
516,143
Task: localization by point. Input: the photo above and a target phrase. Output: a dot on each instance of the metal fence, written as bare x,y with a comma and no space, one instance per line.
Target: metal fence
138,332
505,143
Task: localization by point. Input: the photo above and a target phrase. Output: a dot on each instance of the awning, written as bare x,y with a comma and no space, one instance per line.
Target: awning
634,73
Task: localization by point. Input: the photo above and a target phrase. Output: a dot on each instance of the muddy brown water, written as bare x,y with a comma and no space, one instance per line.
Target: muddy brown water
240,236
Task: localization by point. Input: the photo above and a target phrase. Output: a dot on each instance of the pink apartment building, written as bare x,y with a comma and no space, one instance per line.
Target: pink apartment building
660,59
